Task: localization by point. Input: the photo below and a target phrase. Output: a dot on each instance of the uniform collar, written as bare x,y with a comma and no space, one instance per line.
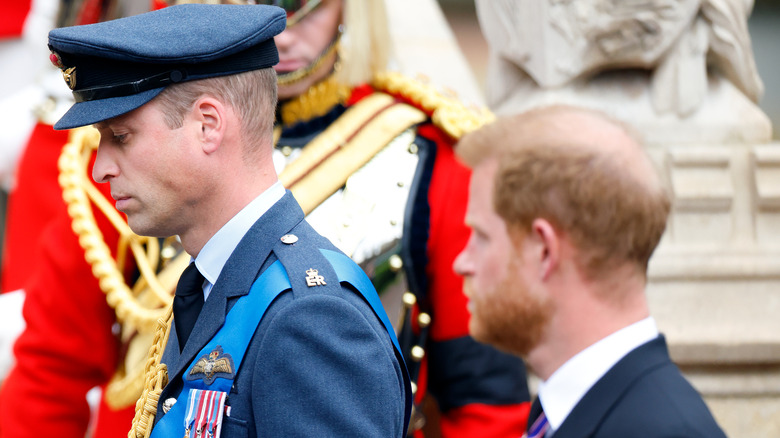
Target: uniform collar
215,252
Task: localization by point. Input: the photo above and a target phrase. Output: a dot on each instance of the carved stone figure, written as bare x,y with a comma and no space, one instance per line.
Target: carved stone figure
668,55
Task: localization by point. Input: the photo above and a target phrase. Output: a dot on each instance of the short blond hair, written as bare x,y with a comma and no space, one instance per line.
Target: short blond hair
611,203
252,95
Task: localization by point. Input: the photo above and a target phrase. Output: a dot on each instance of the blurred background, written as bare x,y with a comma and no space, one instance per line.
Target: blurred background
764,26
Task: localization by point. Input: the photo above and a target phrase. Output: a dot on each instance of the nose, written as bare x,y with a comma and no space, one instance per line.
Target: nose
462,264
105,167
284,40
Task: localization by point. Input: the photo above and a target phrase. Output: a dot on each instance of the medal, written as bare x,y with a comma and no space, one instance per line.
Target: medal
205,410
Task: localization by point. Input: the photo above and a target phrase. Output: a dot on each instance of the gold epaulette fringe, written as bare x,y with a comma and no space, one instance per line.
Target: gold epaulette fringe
447,112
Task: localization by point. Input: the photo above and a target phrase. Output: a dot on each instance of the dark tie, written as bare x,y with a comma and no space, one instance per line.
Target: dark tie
187,302
539,427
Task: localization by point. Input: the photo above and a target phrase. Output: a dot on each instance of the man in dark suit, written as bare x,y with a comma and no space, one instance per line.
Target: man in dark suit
566,210
274,332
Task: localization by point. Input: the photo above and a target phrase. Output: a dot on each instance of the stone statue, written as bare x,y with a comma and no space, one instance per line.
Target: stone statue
668,55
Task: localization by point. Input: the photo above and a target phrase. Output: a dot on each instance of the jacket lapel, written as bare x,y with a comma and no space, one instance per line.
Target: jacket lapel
235,280
171,352
599,400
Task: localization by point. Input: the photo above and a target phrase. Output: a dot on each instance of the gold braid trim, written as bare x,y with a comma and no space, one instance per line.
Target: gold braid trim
316,101
447,112
156,377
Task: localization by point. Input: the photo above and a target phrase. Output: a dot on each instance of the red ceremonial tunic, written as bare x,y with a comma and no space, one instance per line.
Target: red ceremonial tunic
14,14
68,346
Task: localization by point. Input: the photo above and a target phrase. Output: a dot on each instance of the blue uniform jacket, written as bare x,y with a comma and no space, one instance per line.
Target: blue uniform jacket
643,395
320,362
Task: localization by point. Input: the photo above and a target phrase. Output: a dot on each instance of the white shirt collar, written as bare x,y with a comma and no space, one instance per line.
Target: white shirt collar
217,250
568,384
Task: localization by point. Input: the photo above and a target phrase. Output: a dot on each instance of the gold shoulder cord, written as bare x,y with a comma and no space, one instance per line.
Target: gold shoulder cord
155,378
147,307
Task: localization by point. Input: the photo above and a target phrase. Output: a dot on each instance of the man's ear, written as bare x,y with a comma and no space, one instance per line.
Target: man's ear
210,115
546,247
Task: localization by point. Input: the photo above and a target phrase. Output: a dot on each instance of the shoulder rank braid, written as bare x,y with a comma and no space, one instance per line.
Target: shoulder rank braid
446,111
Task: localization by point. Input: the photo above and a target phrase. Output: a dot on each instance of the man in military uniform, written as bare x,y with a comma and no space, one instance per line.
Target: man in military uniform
414,186
268,312
369,156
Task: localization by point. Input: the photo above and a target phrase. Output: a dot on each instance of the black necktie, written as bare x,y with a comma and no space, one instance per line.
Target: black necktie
187,302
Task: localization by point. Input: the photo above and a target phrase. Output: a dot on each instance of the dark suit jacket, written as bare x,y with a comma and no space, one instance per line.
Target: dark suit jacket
320,362
643,395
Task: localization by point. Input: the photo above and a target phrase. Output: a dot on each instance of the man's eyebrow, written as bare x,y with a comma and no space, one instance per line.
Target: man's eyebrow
108,123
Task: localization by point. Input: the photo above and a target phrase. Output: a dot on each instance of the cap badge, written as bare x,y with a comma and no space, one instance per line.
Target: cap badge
212,365
69,74
313,278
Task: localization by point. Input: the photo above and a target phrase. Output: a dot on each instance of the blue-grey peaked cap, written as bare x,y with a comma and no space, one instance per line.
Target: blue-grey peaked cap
116,66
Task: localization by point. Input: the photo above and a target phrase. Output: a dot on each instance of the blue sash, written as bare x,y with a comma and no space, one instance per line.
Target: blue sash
243,319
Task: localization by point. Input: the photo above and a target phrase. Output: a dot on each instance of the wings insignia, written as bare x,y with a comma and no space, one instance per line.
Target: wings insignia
212,365
222,365
200,366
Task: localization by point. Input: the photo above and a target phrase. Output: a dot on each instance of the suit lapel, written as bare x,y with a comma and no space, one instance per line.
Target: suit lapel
599,400
235,280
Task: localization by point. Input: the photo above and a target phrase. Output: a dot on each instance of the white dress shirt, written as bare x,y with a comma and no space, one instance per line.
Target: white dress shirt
568,384
217,250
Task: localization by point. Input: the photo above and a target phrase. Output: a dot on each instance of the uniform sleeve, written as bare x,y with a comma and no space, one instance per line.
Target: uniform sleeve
326,371
480,391
68,346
